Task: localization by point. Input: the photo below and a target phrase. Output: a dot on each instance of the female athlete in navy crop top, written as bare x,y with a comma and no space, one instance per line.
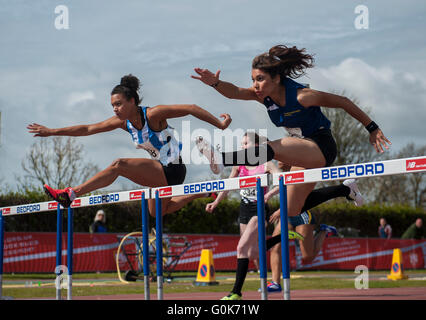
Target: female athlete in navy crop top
294,107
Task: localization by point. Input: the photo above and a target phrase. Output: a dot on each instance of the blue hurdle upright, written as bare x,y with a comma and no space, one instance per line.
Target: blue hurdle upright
258,182
285,254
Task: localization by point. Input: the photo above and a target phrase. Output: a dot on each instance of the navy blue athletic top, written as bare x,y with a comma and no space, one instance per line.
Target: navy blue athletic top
296,119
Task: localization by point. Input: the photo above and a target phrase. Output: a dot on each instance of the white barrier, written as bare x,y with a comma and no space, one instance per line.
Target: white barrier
210,186
94,200
362,170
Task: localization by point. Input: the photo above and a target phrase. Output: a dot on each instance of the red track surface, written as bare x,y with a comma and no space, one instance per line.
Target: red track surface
334,294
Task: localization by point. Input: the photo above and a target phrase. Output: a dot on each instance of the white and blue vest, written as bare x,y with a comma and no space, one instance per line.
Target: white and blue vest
161,145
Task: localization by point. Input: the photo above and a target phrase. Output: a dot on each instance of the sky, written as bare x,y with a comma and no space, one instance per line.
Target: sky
59,77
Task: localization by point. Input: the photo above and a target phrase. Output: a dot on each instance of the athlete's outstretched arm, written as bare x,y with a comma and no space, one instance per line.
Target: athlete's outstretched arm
161,113
226,89
272,168
308,97
212,205
78,130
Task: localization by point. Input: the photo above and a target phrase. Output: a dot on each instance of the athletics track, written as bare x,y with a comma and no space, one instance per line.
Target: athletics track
414,293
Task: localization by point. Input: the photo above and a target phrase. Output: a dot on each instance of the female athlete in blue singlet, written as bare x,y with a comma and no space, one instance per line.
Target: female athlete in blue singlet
149,131
294,107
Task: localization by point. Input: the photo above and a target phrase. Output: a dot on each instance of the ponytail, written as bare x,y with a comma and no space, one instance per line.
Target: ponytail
129,87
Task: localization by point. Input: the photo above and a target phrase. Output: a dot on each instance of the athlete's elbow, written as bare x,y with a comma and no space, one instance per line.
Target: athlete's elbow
345,103
194,107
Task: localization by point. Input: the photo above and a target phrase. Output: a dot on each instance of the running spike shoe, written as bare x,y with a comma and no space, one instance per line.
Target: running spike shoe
211,154
295,235
64,196
331,231
232,296
354,195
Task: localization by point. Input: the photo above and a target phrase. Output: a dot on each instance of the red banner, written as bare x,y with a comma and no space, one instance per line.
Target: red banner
36,252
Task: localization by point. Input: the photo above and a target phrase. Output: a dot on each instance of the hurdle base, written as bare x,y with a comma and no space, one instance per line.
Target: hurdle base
199,283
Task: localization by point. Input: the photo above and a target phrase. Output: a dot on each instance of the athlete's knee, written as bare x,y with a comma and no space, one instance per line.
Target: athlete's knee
253,253
117,164
295,208
152,213
308,258
151,210
242,250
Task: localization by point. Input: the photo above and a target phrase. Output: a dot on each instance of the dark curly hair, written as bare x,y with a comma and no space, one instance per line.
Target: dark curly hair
128,87
284,61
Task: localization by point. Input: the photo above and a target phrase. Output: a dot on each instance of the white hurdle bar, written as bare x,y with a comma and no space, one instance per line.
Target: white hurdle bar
361,170
257,181
93,200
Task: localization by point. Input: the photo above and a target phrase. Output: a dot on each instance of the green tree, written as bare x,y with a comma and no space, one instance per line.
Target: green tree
351,137
407,189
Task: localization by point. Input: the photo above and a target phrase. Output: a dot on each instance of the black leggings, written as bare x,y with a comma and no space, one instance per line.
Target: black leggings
263,153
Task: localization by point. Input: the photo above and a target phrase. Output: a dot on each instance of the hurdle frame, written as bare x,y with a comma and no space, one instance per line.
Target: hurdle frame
256,181
282,179
325,174
88,201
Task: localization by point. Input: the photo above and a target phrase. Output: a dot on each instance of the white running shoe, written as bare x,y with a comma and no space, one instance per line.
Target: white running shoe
214,157
354,195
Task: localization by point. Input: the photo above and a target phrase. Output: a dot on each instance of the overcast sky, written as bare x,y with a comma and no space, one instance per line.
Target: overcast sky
61,77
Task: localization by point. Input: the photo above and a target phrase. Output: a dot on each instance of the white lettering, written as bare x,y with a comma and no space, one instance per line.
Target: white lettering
362,20
361,281
62,20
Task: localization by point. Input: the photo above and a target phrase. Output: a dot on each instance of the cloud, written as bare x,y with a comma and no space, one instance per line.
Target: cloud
47,78
79,97
396,98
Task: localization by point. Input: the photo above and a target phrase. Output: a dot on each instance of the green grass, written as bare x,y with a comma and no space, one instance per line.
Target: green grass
89,284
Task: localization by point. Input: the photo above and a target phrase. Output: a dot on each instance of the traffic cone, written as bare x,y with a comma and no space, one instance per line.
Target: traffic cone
206,272
397,270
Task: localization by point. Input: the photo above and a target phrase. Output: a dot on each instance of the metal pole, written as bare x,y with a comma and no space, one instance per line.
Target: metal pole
58,250
145,246
70,252
285,256
159,245
1,252
262,240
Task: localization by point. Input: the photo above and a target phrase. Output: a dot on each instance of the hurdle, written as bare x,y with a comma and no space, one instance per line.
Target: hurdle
256,181
360,170
282,179
93,200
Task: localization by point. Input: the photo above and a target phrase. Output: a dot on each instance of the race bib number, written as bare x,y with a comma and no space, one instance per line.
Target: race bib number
148,147
249,193
295,132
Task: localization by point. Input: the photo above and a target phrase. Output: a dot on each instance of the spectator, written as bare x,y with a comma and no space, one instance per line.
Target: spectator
99,224
415,231
385,230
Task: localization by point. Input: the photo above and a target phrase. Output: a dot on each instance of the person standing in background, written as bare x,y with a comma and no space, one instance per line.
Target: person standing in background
99,223
385,230
415,231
